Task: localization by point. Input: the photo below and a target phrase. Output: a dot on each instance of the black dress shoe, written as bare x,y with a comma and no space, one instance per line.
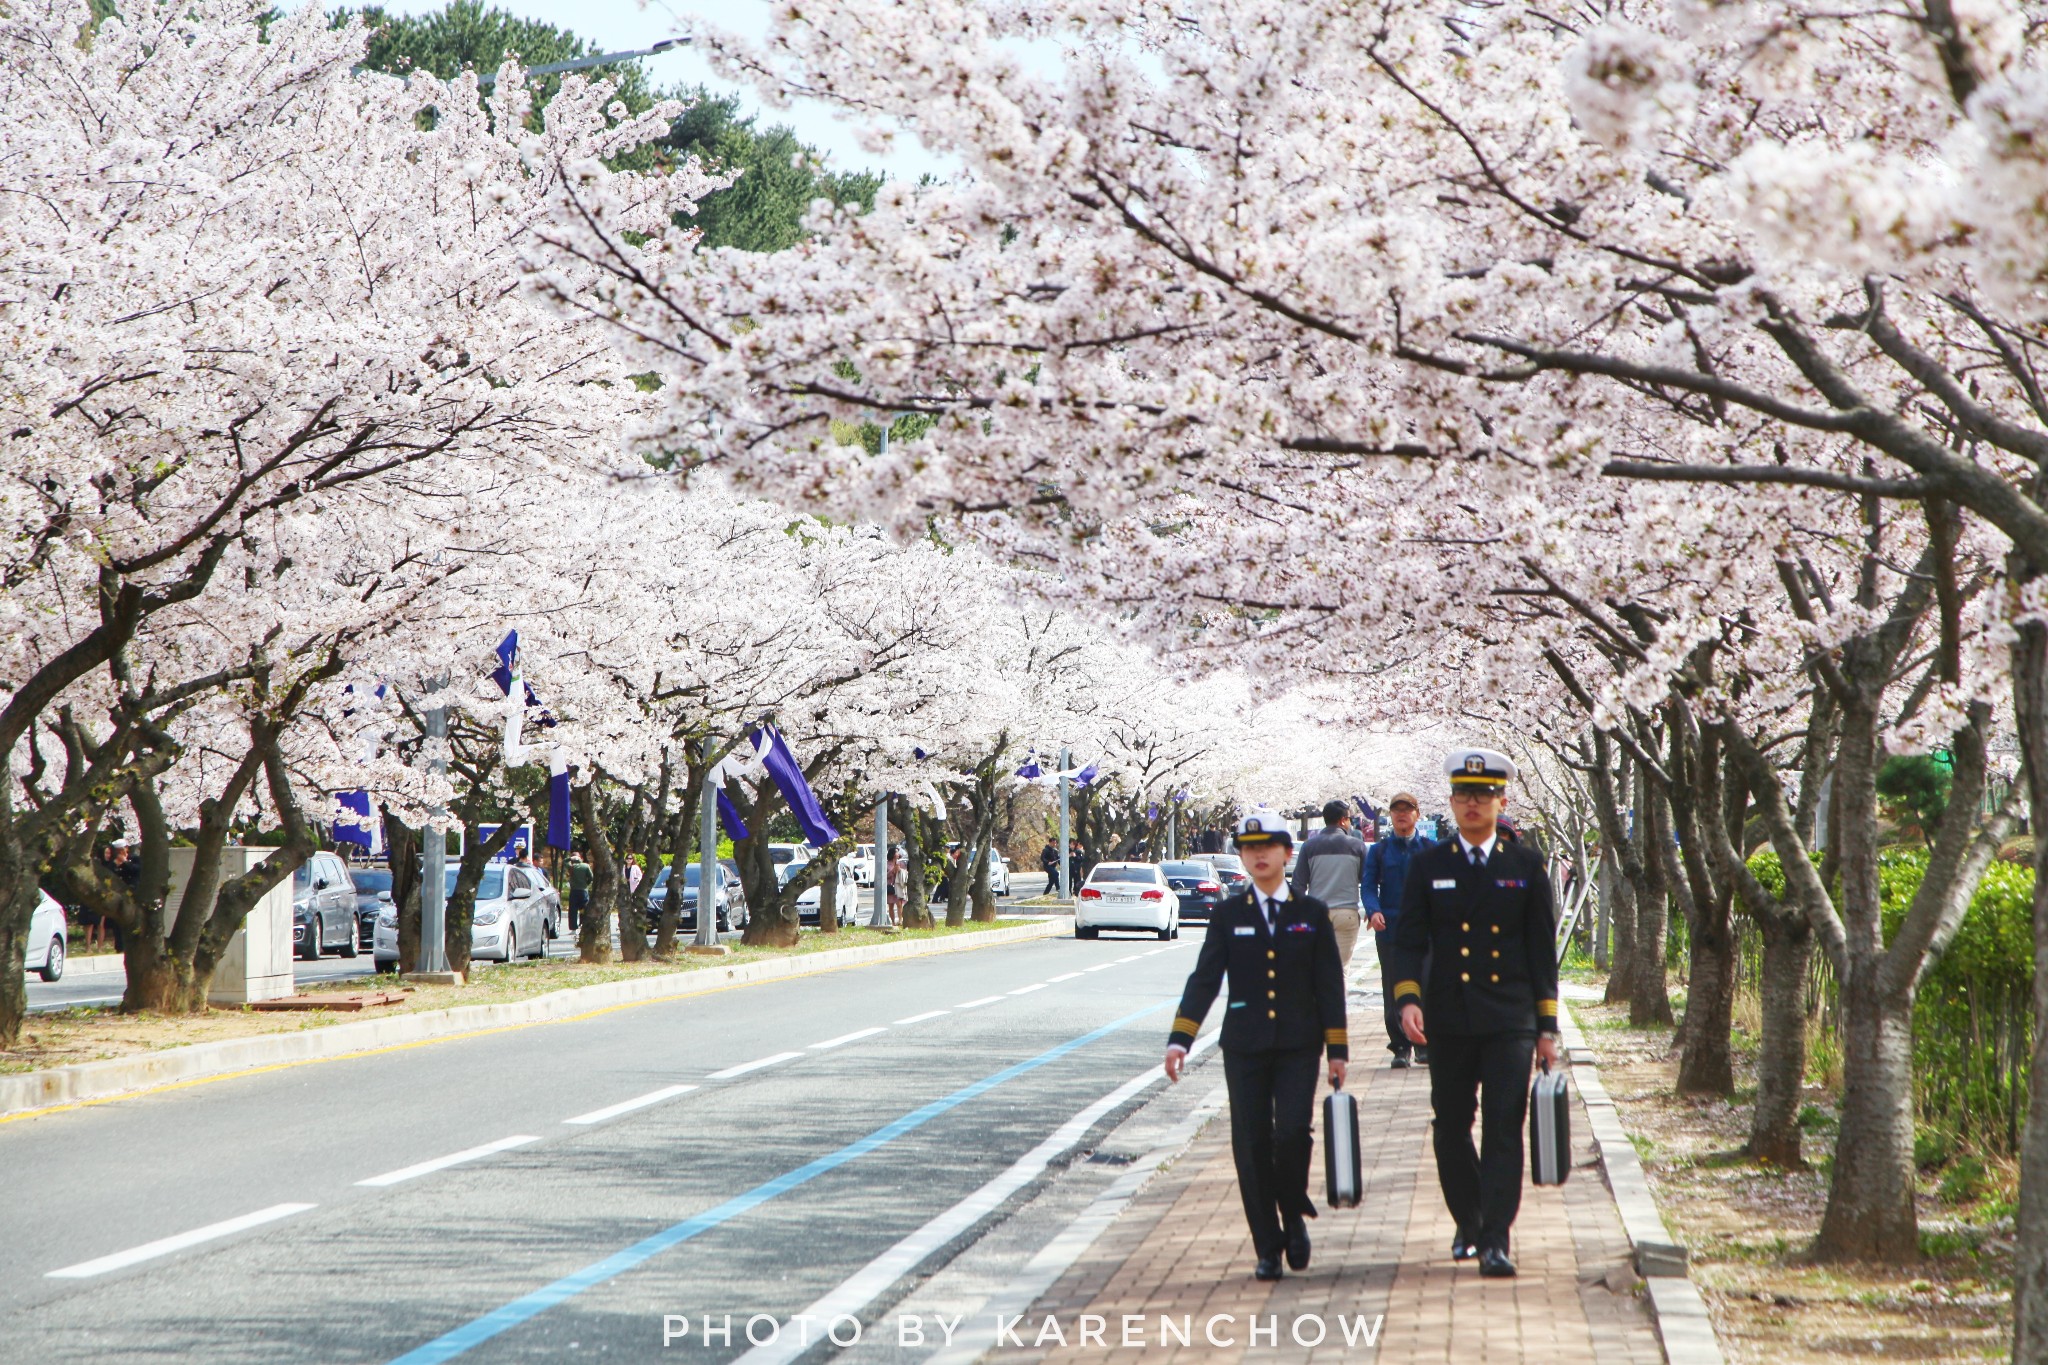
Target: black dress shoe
1422,1056
1462,1247
1297,1246
1495,1265
1401,1062
1268,1268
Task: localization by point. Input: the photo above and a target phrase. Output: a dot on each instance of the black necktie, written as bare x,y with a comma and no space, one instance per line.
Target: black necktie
1272,912
1478,857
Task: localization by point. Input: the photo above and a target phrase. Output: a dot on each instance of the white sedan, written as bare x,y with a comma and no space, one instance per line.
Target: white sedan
47,935
846,897
510,921
1133,896
862,861
998,874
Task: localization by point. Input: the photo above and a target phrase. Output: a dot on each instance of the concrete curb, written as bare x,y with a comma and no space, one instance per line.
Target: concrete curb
66,1085
99,964
1683,1324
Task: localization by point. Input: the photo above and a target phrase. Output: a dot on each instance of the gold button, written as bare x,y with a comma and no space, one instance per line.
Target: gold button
1270,995
1496,976
1466,927
1496,928
1496,952
1270,953
1271,1015
1464,952
1270,974
1464,976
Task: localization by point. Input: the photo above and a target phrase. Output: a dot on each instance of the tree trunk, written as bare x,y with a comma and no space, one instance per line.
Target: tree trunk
1870,1214
681,845
1649,1000
1707,1065
1603,923
594,935
1781,1047
917,911
2030,1260
403,843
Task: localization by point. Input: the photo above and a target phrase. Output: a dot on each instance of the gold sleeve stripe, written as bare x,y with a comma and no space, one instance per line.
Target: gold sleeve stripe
1183,1024
1403,988
1547,1008
1337,1037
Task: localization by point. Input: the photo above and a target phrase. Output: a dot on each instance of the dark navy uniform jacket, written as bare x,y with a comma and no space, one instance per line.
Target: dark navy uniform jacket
1286,986
1489,935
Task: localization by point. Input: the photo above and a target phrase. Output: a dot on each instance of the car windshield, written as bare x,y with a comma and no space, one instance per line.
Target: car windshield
782,855
491,888
1185,869
1124,874
369,882
1227,862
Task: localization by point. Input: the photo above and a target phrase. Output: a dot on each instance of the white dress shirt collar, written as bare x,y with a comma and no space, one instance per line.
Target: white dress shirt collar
1484,850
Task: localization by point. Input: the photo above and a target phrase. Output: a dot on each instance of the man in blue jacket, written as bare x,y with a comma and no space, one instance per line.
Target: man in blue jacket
1379,896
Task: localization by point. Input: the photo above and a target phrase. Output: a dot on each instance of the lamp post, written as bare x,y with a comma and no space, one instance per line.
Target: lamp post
433,954
1066,835
487,79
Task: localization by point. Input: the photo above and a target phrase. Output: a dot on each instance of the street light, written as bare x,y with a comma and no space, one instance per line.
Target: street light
486,78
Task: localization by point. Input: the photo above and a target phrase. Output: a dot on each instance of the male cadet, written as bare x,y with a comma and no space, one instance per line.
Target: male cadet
1480,909
1286,1006
1386,872
1328,869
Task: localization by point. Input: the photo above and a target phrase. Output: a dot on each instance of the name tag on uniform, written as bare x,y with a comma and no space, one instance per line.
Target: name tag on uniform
1444,884
1244,931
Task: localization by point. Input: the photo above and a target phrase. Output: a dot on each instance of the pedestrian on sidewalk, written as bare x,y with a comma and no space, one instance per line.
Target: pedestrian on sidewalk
1386,870
1278,951
1477,908
1330,869
899,884
580,877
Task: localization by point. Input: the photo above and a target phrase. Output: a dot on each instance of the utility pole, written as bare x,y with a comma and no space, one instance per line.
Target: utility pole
707,867
878,914
1066,861
433,955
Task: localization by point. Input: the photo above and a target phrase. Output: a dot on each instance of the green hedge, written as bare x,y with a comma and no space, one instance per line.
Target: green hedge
1973,1020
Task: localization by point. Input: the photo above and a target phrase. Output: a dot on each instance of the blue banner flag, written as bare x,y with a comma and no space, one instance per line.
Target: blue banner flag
1085,776
558,800
352,832
803,803
508,652
729,816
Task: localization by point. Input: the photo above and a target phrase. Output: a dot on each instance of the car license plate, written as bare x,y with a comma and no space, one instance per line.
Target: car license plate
1124,897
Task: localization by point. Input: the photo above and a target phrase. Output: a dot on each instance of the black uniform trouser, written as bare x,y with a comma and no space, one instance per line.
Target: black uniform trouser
1486,1073
1397,1041
1272,1110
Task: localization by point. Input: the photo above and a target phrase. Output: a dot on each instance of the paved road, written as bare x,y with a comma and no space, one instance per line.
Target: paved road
743,1152
80,988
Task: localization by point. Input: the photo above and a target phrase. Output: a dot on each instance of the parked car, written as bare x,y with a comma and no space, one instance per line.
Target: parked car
862,861
373,893
1229,871
728,904
787,859
998,874
530,878
323,907
846,895
48,931
1196,884
511,918
1126,896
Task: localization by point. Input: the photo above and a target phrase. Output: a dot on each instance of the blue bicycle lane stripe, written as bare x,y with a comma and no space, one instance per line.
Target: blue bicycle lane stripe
529,1306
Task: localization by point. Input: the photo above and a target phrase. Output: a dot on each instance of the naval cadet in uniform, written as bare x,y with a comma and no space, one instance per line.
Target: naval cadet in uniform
1478,909
1286,1009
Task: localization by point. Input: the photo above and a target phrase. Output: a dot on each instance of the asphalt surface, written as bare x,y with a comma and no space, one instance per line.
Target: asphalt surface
890,1093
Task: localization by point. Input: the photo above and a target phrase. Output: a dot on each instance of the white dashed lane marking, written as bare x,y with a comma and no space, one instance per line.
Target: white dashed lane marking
442,1163
744,1067
612,1111
149,1251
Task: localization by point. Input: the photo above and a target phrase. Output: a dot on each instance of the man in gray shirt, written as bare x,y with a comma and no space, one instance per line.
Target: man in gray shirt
1330,868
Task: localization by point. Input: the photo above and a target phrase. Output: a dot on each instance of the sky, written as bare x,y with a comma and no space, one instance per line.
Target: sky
624,25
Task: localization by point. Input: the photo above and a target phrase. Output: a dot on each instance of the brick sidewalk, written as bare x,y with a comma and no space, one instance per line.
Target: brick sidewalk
1180,1251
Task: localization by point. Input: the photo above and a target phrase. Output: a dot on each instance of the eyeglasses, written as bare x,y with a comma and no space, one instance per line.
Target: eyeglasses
1474,797
1400,806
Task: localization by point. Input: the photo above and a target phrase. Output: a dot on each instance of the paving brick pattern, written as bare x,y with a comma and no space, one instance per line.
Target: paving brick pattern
1180,1254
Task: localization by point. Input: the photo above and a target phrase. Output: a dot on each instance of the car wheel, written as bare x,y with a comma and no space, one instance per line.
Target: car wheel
511,945
1176,929
316,938
348,944
1166,933
53,965
1080,932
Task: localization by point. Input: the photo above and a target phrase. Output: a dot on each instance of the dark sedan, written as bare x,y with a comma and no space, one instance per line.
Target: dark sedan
373,893
1229,870
1197,886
